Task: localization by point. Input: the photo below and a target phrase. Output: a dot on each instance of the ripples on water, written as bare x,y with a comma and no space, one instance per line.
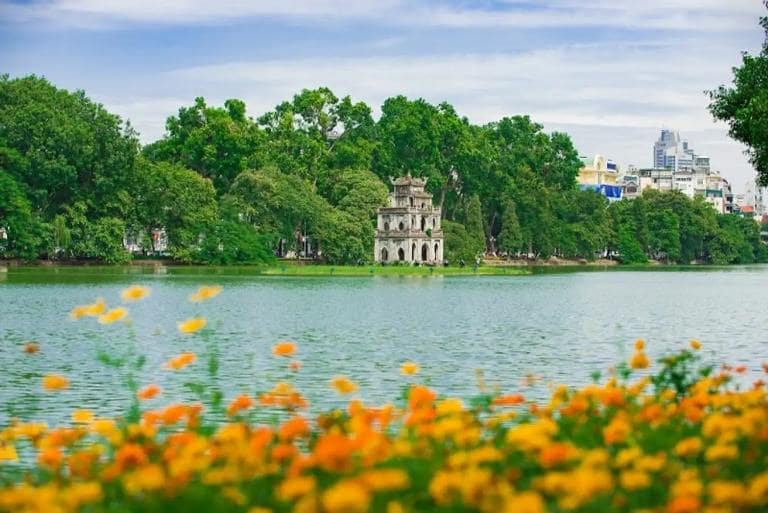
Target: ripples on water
559,326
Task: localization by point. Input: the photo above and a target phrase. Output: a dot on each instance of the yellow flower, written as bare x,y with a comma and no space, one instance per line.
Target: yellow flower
721,452
343,385
8,452
690,446
55,382
639,344
695,344
346,497
82,416
113,315
134,293
640,360
192,325
147,478
634,480
385,479
80,494
525,502
295,487
92,310
409,368
205,293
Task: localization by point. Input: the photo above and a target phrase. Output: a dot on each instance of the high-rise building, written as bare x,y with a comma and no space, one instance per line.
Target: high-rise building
672,152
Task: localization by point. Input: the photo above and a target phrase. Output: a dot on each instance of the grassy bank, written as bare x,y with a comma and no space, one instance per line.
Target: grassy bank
292,269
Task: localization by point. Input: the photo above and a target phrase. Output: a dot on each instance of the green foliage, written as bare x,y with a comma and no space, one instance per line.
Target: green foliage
178,200
510,237
226,188
63,148
219,143
459,243
744,106
233,242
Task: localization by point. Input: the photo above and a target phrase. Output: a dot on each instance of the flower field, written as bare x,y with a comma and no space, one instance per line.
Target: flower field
676,435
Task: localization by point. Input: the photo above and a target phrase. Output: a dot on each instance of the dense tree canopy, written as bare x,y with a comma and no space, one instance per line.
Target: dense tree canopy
306,179
744,105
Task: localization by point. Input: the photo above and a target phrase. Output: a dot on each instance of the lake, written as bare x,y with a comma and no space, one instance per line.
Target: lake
555,326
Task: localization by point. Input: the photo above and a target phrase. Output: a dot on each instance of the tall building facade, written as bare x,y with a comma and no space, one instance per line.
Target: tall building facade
672,152
409,229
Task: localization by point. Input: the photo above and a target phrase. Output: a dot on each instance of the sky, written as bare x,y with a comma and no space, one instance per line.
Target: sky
611,73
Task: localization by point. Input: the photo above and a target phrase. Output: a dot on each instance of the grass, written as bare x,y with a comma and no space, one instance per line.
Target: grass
294,269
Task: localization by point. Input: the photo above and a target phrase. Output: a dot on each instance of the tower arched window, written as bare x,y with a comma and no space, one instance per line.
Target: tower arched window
384,254
401,254
401,226
423,223
386,227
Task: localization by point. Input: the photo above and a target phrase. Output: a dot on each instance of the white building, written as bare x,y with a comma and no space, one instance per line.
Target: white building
409,229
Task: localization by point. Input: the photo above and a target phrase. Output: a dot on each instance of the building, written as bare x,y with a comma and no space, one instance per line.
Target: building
409,229
757,197
672,152
602,175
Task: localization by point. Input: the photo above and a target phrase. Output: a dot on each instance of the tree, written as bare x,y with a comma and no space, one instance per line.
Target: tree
25,234
744,106
424,140
63,148
175,199
219,143
510,237
317,133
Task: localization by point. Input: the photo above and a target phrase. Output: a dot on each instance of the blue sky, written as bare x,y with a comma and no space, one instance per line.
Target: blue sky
609,72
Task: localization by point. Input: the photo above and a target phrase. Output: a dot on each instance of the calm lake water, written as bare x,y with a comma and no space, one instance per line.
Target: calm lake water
560,326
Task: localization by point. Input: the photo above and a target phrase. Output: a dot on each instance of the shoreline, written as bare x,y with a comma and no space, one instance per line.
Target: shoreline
310,269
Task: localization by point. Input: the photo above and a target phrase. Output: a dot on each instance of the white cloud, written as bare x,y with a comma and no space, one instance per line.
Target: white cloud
680,15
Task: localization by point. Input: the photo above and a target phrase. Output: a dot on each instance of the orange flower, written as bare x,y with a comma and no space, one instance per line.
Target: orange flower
50,458
241,402
180,361
284,349
31,347
508,400
134,293
684,504
113,315
295,365
294,427
554,454
205,293
765,367
420,396
639,344
343,385
130,455
192,325
82,416
695,344
148,392
409,368
55,382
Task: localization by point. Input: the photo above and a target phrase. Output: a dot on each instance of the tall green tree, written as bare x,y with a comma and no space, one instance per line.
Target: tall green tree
63,148
217,142
744,105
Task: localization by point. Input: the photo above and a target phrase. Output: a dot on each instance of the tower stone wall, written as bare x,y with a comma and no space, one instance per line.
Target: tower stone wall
409,229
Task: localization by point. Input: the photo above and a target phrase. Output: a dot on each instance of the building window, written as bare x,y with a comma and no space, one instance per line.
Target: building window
401,226
401,254
410,200
413,252
384,254
424,252
436,247
386,227
423,224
